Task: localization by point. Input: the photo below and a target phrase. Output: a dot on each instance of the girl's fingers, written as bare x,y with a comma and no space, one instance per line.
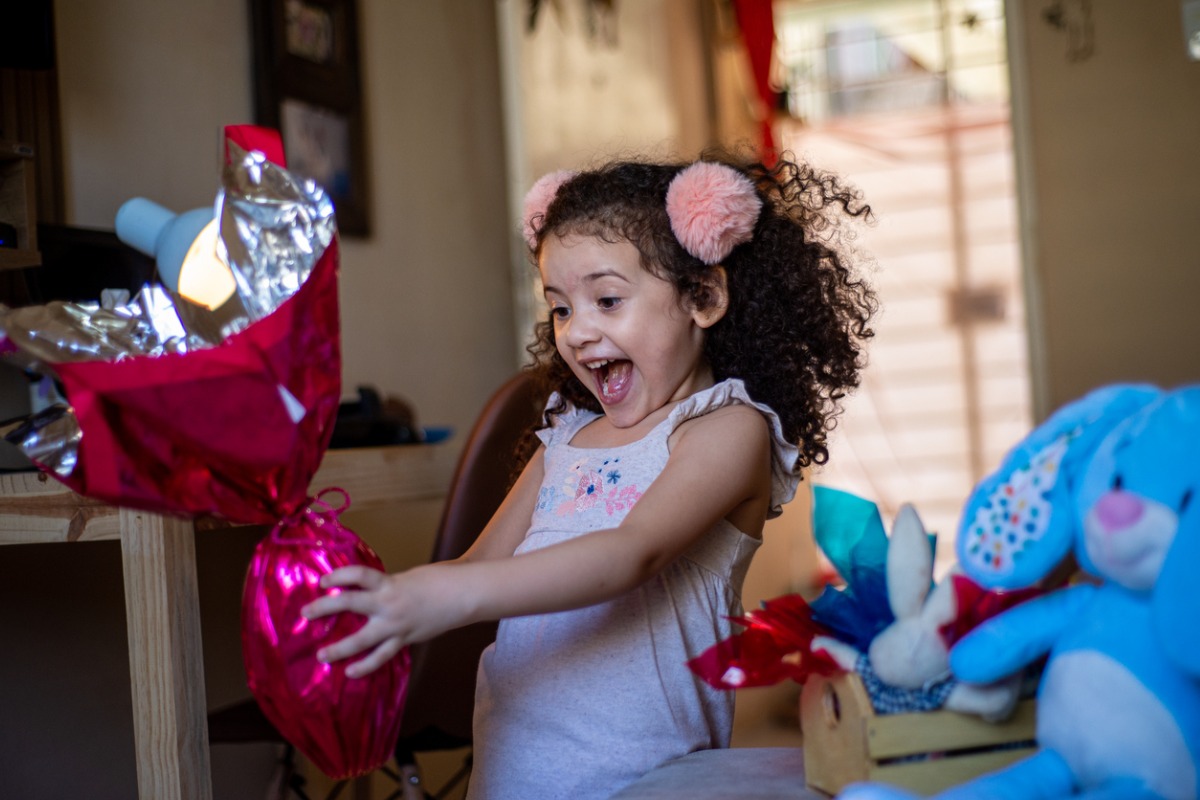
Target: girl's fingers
324,606
376,659
362,599
363,577
356,602
366,637
360,602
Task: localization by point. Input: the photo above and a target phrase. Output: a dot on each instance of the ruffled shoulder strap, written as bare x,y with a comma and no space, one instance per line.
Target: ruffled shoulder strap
784,454
564,426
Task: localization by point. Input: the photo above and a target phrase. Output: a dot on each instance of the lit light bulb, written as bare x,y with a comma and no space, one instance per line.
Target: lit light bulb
183,246
205,278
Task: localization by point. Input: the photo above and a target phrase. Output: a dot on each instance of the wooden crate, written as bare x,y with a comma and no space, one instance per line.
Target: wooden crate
846,741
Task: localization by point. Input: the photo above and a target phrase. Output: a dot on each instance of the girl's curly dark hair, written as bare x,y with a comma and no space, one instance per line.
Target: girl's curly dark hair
797,318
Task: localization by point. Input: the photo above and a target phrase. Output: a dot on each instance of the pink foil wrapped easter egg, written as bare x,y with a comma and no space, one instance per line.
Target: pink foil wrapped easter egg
345,726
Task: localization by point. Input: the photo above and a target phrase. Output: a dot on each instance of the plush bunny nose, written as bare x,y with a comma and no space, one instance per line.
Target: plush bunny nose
1118,510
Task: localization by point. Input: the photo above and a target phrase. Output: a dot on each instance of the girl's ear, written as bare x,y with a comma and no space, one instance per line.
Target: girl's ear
712,300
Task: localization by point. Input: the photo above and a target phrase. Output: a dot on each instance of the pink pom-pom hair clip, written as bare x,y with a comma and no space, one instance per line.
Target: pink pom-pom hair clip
713,209
538,199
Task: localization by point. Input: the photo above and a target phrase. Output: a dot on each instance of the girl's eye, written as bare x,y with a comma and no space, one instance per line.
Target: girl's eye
608,303
559,313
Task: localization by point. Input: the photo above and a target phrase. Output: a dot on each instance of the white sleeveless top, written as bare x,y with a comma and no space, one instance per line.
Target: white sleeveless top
578,704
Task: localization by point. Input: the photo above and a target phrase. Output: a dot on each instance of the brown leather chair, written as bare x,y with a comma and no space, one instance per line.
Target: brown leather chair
441,689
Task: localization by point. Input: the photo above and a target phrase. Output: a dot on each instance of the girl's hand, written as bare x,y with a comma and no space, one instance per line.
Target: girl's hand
400,609
422,602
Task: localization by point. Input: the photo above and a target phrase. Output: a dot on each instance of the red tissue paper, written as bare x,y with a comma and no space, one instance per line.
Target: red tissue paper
775,645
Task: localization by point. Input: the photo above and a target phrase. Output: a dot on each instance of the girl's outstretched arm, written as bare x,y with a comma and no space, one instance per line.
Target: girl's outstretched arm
720,467
421,602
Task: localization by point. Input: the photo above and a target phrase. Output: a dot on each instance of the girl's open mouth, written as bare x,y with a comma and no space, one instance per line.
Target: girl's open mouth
612,380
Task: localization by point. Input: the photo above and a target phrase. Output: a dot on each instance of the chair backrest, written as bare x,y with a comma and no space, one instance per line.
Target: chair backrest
441,690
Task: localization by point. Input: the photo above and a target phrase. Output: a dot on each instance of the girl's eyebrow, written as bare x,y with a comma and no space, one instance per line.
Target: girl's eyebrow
591,277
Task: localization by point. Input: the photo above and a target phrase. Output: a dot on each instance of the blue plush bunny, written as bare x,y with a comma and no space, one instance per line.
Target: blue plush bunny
1116,473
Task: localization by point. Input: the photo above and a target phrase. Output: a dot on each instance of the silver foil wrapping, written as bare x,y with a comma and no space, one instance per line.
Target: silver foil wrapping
273,228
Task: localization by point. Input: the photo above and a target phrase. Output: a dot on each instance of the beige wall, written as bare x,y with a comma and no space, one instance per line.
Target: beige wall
575,98
1111,172
146,86
582,98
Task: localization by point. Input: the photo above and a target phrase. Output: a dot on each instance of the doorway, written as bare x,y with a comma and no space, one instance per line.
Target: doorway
909,100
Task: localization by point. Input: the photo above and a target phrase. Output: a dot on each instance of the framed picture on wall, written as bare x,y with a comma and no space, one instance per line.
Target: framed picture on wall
307,85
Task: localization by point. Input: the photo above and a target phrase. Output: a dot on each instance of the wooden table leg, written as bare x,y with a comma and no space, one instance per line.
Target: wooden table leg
165,658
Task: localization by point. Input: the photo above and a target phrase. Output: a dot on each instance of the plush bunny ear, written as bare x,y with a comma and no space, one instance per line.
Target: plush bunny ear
909,564
1019,523
1175,604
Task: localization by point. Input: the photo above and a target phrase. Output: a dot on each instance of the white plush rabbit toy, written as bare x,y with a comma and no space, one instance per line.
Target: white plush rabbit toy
907,665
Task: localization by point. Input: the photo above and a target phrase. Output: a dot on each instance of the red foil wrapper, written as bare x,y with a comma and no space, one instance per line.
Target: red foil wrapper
345,726
235,431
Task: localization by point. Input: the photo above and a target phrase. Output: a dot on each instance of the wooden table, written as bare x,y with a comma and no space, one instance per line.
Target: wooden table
161,601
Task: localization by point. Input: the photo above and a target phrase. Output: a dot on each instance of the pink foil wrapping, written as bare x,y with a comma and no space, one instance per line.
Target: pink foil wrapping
345,726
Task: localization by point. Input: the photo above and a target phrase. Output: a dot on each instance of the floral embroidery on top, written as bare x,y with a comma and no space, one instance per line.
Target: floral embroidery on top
592,481
622,500
545,498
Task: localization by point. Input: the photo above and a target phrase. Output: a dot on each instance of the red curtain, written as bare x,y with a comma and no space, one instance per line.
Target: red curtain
756,19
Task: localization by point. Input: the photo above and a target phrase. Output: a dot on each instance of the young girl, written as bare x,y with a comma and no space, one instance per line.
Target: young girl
701,330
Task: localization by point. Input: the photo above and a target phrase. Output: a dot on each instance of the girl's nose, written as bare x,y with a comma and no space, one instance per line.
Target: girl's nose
580,331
